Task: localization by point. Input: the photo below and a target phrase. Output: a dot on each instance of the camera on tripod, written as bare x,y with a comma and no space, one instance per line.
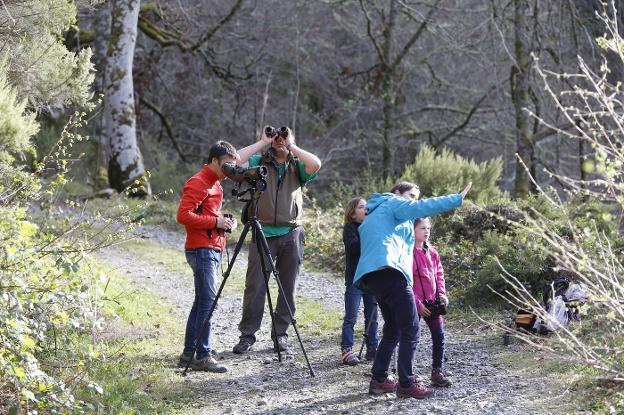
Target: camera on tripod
271,131
252,175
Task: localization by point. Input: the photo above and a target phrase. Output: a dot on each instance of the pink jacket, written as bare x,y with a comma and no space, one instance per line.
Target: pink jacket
427,269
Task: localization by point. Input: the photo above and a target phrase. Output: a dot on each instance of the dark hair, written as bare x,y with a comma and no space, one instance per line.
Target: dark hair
350,209
419,220
403,187
221,149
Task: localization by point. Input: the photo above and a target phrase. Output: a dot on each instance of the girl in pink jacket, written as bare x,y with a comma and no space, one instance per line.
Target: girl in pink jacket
429,285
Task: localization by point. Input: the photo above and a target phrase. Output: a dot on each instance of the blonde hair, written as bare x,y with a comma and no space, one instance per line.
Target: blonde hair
350,210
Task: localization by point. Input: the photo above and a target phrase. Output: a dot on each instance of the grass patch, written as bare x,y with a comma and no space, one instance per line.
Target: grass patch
136,353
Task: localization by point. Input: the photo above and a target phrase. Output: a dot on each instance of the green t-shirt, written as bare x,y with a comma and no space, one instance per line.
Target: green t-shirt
271,231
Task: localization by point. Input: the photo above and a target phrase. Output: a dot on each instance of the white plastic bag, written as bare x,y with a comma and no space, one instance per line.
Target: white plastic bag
557,314
577,292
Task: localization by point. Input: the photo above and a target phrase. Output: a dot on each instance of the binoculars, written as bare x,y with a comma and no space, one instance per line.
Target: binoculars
272,132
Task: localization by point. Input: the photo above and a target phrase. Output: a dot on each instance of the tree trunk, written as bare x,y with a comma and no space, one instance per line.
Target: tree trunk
388,92
125,167
101,24
521,99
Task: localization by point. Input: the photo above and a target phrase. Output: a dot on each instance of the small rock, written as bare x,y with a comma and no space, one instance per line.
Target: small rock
263,402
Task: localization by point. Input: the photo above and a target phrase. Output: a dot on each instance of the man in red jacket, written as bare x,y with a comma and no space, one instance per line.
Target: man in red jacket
199,212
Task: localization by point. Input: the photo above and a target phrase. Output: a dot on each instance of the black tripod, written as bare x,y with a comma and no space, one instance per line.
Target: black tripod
268,268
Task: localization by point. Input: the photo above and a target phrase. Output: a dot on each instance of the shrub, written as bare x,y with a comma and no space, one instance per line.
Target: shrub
443,173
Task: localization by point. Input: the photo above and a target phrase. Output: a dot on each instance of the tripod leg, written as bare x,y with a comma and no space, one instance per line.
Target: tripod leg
265,248
365,337
266,272
204,326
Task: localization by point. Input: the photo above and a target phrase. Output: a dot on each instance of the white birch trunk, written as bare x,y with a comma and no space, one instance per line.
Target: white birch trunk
125,164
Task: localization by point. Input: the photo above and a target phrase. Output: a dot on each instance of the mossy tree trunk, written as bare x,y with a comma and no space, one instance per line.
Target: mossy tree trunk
125,167
521,99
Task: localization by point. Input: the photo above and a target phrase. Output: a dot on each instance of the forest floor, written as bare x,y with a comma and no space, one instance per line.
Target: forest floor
488,378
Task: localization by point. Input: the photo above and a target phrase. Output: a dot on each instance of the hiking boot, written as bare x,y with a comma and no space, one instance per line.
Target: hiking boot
184,359
387,386
282,344
370,353
438,378
243,346
208,364
416,390
349,358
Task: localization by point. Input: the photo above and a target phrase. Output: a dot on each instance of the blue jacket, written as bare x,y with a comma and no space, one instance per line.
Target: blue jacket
387,233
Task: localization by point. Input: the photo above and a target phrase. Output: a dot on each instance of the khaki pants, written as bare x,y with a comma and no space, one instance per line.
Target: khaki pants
287,251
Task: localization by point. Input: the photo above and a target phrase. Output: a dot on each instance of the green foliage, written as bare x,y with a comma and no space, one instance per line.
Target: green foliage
16,125
44,72
167,174
324,248
444,173
45,296
473,241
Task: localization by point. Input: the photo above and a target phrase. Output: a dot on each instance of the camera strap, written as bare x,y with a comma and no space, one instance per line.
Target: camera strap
420,278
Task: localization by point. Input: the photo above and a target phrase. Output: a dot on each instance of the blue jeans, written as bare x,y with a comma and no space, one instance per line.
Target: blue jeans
205,265
396,302
436,327
352,299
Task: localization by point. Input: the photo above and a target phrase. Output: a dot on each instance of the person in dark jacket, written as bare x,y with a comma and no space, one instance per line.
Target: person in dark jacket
354,215
200,213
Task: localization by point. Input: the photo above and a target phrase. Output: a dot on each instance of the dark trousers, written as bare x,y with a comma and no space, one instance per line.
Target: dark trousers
396,302
287,250
436,327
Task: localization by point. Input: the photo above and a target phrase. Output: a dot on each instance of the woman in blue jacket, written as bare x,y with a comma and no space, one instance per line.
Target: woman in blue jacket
385,270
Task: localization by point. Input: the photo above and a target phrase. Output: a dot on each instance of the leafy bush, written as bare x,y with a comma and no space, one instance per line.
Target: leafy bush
473,241
444,173
324,249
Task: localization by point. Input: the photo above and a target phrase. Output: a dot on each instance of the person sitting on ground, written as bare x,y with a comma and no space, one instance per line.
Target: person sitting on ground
355,213
199,212
429,284
385,270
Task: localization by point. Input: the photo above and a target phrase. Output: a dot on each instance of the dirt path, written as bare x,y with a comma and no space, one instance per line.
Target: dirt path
257,384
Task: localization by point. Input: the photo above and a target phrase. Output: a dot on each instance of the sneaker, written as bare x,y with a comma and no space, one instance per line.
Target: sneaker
282,344
417,391
208,364
370,353
243,346
387,386
438,378
349,358
184,359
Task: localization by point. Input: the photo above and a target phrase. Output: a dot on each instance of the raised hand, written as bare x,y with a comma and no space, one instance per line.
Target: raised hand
466,190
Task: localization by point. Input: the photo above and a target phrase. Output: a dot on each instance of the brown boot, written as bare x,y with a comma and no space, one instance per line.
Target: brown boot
438,378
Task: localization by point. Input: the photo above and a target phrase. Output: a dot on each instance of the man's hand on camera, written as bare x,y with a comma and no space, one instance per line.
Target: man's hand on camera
226,224
466,190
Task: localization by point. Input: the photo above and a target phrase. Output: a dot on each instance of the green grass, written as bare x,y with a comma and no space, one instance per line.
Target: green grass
134,364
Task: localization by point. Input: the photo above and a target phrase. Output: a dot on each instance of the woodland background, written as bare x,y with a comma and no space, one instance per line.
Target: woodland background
107,107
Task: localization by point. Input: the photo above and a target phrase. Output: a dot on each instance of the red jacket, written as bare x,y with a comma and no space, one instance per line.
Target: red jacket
427,269
204,189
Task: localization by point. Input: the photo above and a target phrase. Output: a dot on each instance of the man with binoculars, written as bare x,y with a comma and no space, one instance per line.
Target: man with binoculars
280,209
